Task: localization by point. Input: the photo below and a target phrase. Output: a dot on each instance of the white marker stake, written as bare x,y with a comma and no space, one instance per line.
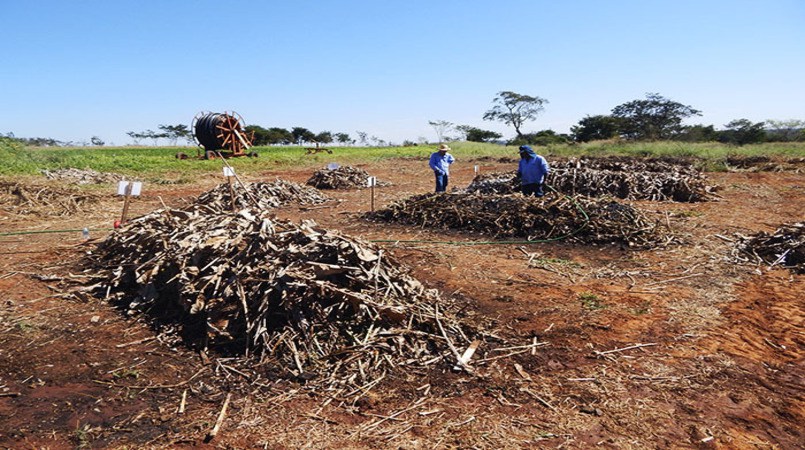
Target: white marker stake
229,172
371,182
476,170
128,189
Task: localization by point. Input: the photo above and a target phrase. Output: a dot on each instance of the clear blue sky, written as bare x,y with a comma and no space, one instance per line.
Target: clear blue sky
76,69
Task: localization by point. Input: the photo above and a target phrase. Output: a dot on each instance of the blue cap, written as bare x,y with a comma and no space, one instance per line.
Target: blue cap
525,148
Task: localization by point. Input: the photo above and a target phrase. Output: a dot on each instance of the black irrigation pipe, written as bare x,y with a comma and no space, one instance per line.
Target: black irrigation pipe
207,131
79,230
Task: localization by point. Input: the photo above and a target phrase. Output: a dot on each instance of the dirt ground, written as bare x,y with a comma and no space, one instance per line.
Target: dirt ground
669,348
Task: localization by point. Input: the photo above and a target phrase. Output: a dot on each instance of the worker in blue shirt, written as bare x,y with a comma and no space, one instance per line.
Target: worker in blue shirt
533,171
440,162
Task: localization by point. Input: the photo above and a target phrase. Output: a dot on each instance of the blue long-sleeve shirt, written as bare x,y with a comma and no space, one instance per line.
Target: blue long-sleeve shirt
441,163
533,169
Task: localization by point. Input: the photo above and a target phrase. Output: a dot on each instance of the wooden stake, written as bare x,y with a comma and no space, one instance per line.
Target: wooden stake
126,202
232,194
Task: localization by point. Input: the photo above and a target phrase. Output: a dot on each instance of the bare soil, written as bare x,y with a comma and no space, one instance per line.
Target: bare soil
669,348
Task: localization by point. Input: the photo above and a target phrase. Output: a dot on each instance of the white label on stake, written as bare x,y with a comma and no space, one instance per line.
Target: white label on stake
371,181
476,170
136,187
229,172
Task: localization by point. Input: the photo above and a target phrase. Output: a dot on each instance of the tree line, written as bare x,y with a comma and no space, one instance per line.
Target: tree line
651,119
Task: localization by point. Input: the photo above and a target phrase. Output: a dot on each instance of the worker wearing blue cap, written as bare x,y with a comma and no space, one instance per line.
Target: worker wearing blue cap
533,171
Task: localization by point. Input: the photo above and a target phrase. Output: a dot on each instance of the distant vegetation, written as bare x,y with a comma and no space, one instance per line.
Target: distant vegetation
160,162
652,119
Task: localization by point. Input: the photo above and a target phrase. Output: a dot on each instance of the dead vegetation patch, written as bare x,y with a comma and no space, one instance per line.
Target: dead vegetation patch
82,176
43,199
576,219
343,177
762,163
783,248
262,195
657,180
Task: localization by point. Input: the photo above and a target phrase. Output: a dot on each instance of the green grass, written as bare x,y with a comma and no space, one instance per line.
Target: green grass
156,162
591,301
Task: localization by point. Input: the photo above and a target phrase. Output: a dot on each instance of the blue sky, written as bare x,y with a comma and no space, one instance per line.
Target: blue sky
76,69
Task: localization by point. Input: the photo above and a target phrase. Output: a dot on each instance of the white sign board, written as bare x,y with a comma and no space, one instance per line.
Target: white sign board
371,181
229,171
333,166
136,187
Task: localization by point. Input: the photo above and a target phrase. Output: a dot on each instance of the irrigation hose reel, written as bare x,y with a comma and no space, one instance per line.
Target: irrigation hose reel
221,133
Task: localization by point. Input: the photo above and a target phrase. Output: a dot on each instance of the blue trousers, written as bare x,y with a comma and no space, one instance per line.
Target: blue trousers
441,182
534,189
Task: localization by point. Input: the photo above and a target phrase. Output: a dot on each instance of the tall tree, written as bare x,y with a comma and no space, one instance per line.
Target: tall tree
515,109
175,132
302,135
594,128
742,132
362,137
785,130
473,134
342,138
324,137
654,118
441,127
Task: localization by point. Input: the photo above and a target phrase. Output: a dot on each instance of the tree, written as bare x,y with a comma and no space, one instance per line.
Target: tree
515,109
441,127
279,136
697,133
654,118
473,134
324,137
742,132
343,138
96,141
135,137
175,132
301,135
544,137
785,130
595,128
362,137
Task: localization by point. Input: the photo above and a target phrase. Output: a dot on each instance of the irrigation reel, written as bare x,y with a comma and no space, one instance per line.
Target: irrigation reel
221,134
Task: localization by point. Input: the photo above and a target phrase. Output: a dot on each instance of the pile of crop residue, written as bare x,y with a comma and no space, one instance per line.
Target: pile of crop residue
259,194
305,303
783,248
576,219
344,177
619,177
79,176
41,199
762,163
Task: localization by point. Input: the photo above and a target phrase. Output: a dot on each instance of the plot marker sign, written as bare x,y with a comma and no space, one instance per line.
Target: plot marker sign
372,182
128,189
